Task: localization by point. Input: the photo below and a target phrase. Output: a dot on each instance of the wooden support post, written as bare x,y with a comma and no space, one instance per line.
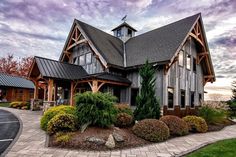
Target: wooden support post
45,93
50,89
95,86
72,93
36,90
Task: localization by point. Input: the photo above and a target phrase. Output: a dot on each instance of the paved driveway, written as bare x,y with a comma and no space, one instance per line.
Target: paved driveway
9,126
31,142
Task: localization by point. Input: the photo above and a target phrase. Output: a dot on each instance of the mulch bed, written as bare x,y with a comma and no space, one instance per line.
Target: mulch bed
78,140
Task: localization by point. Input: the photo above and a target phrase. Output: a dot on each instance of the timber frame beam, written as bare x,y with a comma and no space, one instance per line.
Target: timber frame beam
167,66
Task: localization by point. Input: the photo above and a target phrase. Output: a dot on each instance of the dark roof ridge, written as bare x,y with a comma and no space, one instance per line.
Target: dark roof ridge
98,29
165,26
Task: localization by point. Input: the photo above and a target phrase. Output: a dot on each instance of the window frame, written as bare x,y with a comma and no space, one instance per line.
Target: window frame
194,62
181,52
83,55
188,60
90,61
118,32
192,99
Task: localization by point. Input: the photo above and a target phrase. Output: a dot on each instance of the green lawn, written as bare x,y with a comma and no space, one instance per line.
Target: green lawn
4,104
225,148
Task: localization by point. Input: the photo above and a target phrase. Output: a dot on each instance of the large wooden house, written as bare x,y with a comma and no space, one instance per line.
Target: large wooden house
93,60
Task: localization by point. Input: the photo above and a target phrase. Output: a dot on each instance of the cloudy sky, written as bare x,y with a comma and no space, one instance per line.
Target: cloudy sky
40,27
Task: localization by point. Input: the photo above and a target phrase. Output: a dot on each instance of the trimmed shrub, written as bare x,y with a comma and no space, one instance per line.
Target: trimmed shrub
196,124
123,120
62,123
212,115
51,112
176,125
96,109
20,105
63,138
151,130
124,108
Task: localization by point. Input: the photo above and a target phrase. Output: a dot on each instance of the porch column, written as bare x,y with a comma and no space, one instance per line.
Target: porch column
50,89
95,86
36,90
44,93
71,93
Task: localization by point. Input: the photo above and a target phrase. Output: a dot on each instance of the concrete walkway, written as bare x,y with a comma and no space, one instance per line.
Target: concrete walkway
32,142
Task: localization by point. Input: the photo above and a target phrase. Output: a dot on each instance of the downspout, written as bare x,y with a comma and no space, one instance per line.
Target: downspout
124,54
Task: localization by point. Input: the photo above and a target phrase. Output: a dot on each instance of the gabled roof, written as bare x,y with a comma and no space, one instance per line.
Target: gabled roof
110,47
55,69
124,24
14,81
160,44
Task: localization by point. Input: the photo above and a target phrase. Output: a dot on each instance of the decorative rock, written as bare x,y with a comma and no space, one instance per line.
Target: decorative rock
118,137
110,143
95,140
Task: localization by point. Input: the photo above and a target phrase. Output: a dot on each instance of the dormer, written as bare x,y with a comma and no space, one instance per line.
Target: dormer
124,31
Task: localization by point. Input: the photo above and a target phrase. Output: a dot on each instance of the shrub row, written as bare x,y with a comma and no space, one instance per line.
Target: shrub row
20,105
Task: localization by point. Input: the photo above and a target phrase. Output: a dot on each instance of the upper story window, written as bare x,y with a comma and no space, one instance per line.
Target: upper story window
129,33
170,97
88,58
119,32
181,58
192,99
188,62
82,60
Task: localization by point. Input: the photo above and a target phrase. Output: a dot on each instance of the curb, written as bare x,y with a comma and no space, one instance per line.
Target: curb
17,135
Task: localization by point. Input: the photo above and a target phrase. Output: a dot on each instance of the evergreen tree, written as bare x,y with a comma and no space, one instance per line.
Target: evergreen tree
234,90
147,103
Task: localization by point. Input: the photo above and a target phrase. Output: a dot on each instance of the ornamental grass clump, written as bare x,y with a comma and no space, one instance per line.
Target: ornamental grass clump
123,120
96,109
196,124
151,130
176,125
124,108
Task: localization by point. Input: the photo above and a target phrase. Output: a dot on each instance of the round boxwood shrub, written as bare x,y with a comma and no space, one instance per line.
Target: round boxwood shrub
123,120
62,123
96,109
196,124
176,125
124,108
151,130
50,113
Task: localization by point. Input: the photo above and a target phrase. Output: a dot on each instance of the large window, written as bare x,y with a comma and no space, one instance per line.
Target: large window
192,99
170,97
194,65
181,58
182,98
188,62
82,60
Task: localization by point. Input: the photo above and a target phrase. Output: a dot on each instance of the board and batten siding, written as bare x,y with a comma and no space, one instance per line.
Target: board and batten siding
181,78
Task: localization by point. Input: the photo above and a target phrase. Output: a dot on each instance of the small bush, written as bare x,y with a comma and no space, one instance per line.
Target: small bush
50,113
196,124
176,125
63,138
20,105
96,108
212,115
62,123
151,130
123,120
124,108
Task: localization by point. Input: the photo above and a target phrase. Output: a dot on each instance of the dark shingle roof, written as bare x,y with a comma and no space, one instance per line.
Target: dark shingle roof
160,44
124,24
13,81
55,69
110,47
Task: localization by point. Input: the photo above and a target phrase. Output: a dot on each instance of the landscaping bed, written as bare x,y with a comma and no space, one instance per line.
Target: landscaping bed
80,140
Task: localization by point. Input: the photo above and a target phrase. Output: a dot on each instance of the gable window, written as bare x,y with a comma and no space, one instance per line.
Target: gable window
170,97
192,99
82,60
88,58
75,61
129,33
119,32
194,65
181,58
182,99
188,62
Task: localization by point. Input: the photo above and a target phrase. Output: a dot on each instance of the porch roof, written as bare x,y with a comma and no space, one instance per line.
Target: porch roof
60,70
108,77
